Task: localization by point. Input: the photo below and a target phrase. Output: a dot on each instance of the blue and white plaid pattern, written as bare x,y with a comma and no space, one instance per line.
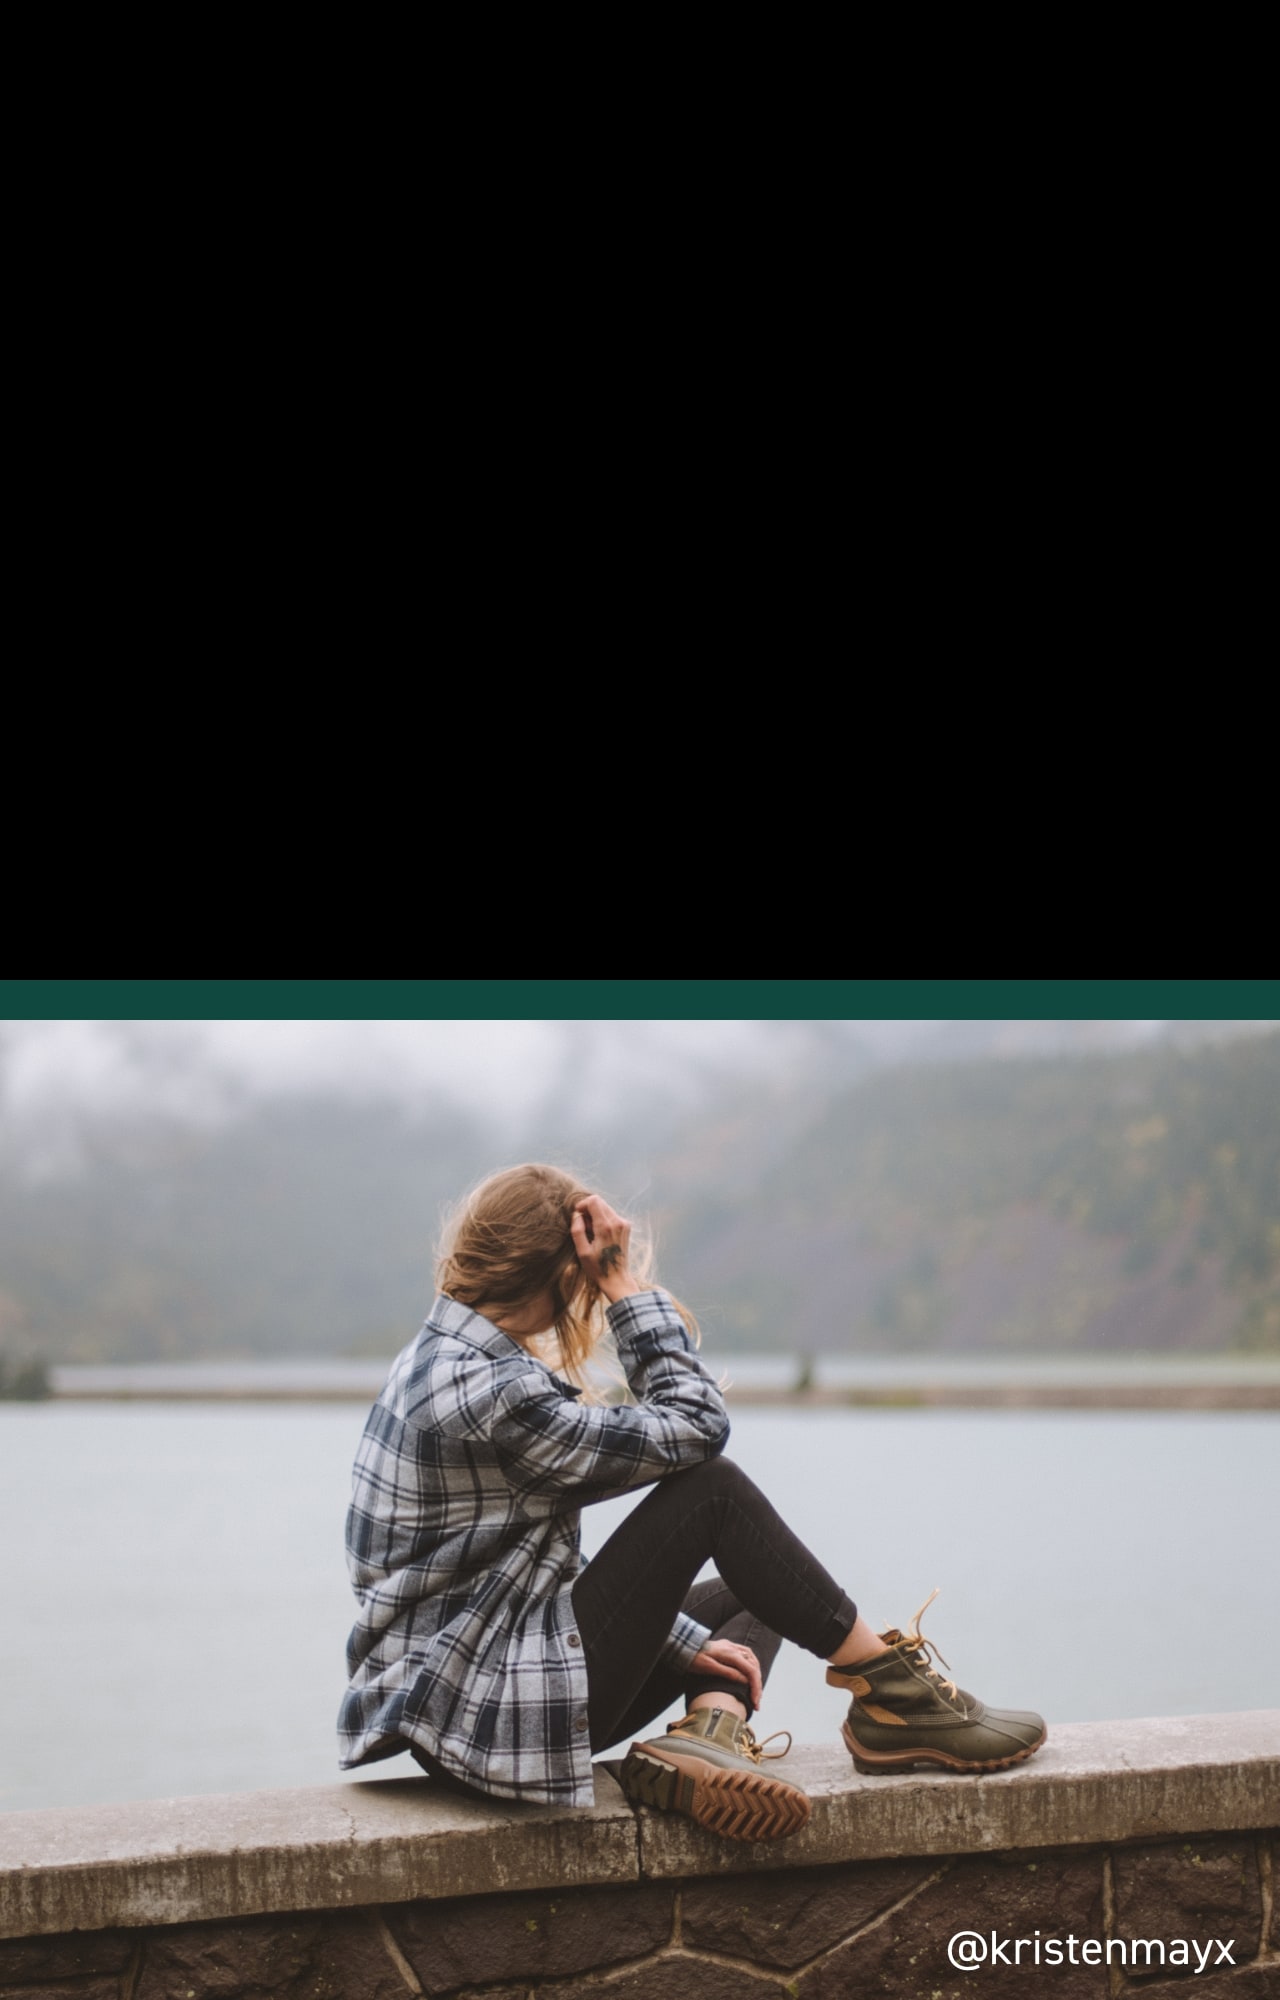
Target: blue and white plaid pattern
463,1542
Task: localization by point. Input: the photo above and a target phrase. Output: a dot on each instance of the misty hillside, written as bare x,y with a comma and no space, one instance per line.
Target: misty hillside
1122,1202
1085,1201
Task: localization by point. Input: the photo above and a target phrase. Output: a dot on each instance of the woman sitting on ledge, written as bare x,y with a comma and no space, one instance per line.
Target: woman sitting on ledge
484,1644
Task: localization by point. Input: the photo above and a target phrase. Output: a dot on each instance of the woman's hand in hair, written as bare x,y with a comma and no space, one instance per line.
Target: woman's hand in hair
602,1240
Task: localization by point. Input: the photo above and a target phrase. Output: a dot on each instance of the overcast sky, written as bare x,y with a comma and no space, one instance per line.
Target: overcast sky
202,1069
56,1074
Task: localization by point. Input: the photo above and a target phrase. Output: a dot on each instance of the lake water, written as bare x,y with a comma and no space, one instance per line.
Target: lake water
174,1603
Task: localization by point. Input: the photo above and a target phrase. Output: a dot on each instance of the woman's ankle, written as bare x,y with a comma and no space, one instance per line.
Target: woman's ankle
859,1643
729,1702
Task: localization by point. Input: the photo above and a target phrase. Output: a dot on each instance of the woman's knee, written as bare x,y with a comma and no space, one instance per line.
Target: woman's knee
714,1476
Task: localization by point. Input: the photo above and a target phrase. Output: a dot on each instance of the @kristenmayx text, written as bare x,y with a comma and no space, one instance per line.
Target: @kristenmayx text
970,1950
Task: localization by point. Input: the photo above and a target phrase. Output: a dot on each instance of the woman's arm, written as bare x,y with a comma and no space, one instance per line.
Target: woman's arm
602,1239
548,1445
551,1448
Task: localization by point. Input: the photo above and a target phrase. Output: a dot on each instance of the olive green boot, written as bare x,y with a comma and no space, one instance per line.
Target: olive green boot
904,1712
708,1766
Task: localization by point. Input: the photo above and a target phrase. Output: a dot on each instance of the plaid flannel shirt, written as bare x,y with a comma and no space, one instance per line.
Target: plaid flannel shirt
463,1542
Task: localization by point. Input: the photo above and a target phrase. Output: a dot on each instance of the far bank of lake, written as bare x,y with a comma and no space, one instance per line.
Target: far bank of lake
829,1381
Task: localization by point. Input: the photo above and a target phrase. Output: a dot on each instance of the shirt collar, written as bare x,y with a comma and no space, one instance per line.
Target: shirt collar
449,1316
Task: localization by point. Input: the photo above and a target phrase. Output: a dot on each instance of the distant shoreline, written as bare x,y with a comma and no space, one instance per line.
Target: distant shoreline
906,1396
794,1382
1026,1396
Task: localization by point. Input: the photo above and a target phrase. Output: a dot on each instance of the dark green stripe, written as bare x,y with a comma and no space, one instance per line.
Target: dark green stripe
640,999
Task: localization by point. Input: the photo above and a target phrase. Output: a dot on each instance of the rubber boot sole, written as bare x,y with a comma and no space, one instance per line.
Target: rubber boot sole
738,1805
870,1762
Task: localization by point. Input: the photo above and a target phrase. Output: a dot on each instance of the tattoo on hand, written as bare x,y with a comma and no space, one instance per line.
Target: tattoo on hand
610,1258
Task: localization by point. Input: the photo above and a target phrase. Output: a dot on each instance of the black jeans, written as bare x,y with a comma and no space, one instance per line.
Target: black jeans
769,1588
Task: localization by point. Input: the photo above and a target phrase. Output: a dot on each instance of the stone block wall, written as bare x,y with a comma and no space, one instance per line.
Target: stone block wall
830,1933
641,1906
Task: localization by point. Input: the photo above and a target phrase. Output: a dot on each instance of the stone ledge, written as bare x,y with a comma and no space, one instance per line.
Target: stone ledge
378,1841
1093,1783
328,1847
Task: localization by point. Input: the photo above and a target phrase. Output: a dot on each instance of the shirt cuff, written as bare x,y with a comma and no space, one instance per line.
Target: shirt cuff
685,1643
646,1312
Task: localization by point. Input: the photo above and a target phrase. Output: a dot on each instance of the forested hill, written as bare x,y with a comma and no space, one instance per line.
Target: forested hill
1120,1202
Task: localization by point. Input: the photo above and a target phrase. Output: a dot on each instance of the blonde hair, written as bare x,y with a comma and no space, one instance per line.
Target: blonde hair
509,1240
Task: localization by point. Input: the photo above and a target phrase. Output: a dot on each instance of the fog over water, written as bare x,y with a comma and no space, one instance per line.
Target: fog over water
174,1606
224,1189
61,1079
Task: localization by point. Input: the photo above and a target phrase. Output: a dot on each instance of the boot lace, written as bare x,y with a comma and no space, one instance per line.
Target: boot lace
757,1751
747,1742
919,1649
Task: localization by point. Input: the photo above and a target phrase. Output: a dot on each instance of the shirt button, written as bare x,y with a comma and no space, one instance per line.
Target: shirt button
574,1640
581,1723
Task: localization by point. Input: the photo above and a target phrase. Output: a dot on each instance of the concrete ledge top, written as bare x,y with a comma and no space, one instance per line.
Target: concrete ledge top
392,1840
